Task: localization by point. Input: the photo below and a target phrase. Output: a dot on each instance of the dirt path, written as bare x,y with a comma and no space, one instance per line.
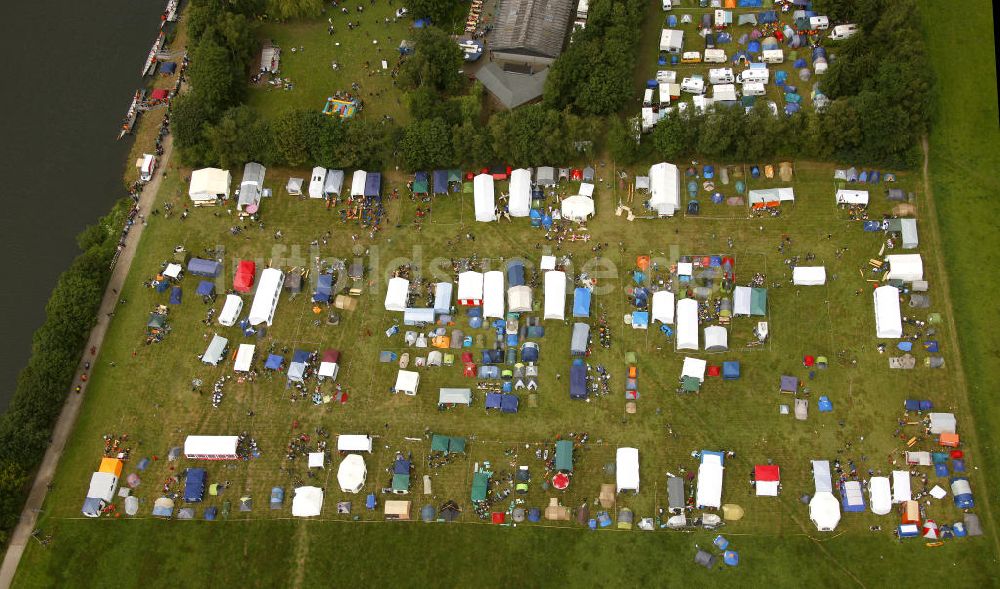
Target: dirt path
67,418
957,369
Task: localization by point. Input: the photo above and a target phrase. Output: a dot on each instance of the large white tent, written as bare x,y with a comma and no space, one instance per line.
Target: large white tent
901,492
710,473
493,291
211,447
308,502
766,196
824,509
664,189
687,324
215,351
442,297
519,299
520,193
627,469
396,294
354,443
577,208
470,288
695,368
485,201
741,301
231,310
265,300
716,339
352,473
663,307
905,267
880,495
244,358
316,182
852,197
358,182
555,295
809,275
407,382
888,320
209,184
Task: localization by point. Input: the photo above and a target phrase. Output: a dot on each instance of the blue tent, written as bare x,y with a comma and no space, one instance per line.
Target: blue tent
210,514
515,273
168,67
274,362
162,286
508,403
578,381
723,38
962,493
401,466
536,217
534,515
547,221
492,356
858,504
739,55
493,400
749,3
731,557
373,184
440,181
206,288
730,370
767,17
825,406
324,288
486,372
581,302
421,23
792,108
175,295
207,268
799,63
780,77
672,21
753,46
941,469
370,501
640,319
958,464
529,353
194,485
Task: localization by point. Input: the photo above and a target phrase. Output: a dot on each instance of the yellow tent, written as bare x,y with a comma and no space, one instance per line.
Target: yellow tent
112,465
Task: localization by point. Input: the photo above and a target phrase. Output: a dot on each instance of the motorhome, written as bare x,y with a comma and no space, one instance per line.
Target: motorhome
723,75
715,56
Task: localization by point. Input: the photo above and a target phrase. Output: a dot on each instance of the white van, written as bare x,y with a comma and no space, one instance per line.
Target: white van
714,56
819,23
666,76
693,85
647,97
754,75
690,57
231,310
722,75
772,56
841,32
753,89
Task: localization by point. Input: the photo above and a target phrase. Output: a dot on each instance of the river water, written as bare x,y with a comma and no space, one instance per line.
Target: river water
70,71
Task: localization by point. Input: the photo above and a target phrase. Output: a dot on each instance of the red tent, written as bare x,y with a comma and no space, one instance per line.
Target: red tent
499,517
766,473
576,174
560,481
245,272
808,361
714,370
159,94
470,370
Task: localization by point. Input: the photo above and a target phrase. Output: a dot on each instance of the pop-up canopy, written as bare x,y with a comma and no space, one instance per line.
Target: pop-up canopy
308,502
627,469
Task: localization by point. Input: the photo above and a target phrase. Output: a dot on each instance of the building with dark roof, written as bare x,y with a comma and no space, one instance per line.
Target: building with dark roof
530,32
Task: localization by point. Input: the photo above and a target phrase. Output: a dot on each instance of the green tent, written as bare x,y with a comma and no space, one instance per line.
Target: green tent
457,445
454,175
690,384
758,301
480,485
420,186
564,455
440,443
467,188
630,357
400,482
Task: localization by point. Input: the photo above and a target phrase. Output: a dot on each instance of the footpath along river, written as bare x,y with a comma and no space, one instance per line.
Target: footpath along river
70,71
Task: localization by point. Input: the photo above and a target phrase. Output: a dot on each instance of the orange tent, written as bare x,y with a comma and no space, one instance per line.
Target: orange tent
949,440
911,512
642,262
730,3
112,465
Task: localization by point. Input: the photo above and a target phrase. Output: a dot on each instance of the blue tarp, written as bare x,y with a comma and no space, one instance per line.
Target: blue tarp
753,47
210,514
206,288
825,406
440,181
941,469
401,466
373,184
640,319
515,273
194,485
493,400
207,268
324,288
581,302
578,381
508,403
852,507
175,295
168,67
730,370
274,362
750,3
92,507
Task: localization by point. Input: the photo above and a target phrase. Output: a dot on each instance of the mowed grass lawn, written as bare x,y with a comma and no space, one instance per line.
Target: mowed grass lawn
148,394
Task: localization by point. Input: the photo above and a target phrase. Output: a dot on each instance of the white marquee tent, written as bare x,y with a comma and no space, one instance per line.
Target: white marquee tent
627,469
519,299
358,182
407,382
215,351
442,297
809,275
396,294
470,288
308,502
352,473
710,473
265,300
231,310
577,208
716,339
520,193
695,368
493,291
208,184
485,201
824,509
687,324
354,443
901,492
555,295
880,495
664,189
852,197
663,307
244,358
741,301
770,195
888,320
905,267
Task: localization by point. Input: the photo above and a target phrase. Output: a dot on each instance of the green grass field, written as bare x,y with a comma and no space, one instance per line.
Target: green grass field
147,394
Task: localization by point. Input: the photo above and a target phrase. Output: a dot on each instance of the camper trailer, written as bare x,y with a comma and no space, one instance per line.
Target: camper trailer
668,4
691,57
754,75
753,89
841,32
715,56
693,85
772,56
819,23
721,75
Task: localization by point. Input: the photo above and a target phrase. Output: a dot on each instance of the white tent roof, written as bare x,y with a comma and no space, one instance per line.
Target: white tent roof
172,270
765,195
905,267
519,299
216,347
547,263
663,307
809,275
208,183
352,473
587,189
308,502
694,367
294,186
456,396
470,286
908,230
358,183
821,476
901,486
354,443
244,358
317,460
687,324
442,297
888,319
316,182
741,300
880,495
664,188
824,511
493,291
102,486
211,446
484,198
577,208
852,197
724,92
520,193
396,294
327,369
265,300
710,473
942,423
407,381
716,338
555,295
627,469
231,310
671,40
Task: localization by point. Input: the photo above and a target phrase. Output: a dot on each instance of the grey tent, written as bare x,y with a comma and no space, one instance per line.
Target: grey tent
801,409
920,301
588,174
747,19
642,183
293,282
428,513
252,185
455,396
705,559
334,182
675,493
545,176
904,362
972,525
895,195
578,342
908,231
131,505
216,350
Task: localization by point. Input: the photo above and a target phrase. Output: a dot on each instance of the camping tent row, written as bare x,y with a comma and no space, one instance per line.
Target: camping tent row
852,197
687,325
888,319
749,301
905,267
484,198
663,307
555,295
208,185
265,300
664,189
769,197
627,470
367,184
710,471
809,275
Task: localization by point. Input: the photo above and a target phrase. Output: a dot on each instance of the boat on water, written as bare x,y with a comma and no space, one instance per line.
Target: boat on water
170,12
132,115
150,66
